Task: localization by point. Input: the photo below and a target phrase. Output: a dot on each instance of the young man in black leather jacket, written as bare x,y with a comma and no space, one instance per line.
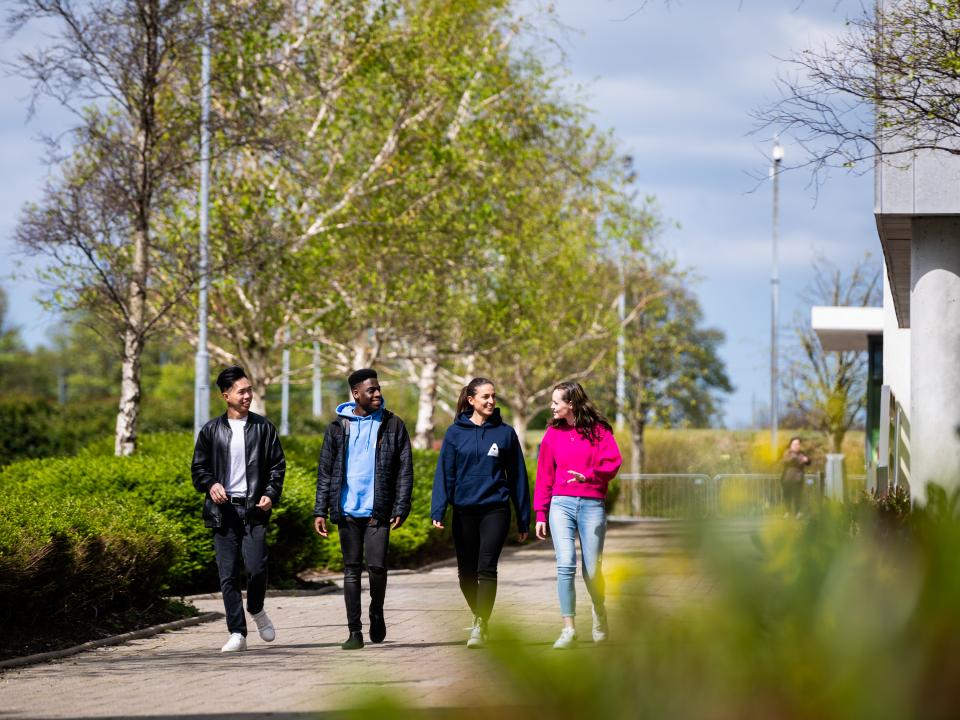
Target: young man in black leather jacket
364,480
239,465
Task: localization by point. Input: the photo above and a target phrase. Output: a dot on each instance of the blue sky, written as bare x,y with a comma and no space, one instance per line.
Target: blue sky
676,82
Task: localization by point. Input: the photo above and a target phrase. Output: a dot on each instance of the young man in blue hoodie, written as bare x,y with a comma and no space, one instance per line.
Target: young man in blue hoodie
364,480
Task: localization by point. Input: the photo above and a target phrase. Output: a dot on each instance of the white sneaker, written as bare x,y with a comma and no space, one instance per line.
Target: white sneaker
568,636
599,626
236,643
264,626
478,635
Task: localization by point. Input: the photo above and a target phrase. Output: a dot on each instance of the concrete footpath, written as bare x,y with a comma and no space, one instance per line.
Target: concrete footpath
183,674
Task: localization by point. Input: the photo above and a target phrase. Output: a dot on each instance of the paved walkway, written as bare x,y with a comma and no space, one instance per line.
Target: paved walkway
182,674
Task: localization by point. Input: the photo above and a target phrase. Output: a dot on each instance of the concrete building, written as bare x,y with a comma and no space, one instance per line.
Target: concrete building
918,220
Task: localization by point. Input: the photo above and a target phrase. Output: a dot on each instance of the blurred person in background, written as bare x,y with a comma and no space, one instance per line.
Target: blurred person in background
791,479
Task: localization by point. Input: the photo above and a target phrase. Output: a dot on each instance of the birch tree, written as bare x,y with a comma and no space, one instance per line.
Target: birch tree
365,116
885,88
115,64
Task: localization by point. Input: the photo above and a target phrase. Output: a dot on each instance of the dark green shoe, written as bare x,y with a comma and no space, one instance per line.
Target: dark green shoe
378,628
354,642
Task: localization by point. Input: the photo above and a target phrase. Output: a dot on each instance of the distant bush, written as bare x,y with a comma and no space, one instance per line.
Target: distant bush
35,428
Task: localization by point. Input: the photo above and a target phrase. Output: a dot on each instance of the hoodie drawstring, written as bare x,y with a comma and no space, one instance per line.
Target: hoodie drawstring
369,422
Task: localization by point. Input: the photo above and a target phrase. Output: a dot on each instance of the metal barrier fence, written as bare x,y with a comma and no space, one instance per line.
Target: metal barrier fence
696,496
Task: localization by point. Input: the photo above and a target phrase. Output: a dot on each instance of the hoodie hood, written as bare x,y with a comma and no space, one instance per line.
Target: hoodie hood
346,410
463,420
363,429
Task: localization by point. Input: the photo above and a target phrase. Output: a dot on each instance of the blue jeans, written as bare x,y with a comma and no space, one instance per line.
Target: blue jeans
570,517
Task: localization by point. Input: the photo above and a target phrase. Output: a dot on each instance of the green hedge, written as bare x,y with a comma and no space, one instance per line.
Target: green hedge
63,556
42,428
157,478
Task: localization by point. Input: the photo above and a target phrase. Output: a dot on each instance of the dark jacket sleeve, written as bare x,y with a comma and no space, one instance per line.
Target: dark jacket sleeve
201,470
444,480
401,505
276,464
325,471
520,486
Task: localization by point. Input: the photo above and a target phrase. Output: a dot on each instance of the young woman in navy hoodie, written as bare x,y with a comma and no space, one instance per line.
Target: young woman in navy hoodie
480,472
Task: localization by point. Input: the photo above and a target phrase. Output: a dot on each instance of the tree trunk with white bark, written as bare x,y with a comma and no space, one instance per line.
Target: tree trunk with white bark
427,386
128,412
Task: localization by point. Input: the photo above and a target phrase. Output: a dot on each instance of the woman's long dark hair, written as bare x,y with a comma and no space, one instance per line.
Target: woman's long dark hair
586,418
469,390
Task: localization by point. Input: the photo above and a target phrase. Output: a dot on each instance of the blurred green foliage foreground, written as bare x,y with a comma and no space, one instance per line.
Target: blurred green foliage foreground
854,613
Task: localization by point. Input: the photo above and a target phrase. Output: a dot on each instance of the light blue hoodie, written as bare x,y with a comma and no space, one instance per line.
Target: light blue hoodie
361,460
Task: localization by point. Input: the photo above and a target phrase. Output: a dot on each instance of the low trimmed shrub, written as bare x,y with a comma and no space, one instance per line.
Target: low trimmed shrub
158,478
64,556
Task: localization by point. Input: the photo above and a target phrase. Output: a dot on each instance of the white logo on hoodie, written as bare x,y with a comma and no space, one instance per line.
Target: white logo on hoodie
494,451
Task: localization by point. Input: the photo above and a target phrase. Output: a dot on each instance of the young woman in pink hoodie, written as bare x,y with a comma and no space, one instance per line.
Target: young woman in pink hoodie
578,459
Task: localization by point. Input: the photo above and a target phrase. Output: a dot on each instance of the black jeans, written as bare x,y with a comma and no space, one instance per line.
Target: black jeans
235,538
359,538
478,536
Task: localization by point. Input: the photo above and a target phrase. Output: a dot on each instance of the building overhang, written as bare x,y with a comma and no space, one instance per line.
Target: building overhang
896,234
911,184
846,328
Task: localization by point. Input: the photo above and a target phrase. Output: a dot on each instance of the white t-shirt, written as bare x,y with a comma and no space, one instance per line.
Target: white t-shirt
237,484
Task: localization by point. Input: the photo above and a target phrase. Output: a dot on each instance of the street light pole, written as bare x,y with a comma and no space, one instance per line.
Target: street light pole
621,352
775,293
621,387
201,384
317,381
285,385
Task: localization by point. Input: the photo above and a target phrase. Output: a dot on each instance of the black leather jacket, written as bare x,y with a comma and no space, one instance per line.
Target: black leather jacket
392,477
266,465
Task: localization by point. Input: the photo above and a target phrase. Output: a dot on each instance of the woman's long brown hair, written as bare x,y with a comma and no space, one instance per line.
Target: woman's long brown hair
586,418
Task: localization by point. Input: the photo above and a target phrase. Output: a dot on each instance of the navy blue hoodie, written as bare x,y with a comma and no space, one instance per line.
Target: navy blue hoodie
481,465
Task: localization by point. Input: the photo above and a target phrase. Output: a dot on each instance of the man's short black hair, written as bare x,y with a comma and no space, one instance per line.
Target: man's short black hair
228,376
358,376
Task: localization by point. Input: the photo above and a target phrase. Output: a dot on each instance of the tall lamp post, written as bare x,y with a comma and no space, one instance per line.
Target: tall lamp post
285,385
317,382
621,386
201,384
777,156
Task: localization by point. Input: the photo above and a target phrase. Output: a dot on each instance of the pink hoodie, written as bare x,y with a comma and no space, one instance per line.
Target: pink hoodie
563,449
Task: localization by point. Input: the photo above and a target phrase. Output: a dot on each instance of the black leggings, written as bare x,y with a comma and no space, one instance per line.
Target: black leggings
478,536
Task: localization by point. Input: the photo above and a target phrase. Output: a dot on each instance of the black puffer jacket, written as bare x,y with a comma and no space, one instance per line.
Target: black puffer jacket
393,473
266,465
